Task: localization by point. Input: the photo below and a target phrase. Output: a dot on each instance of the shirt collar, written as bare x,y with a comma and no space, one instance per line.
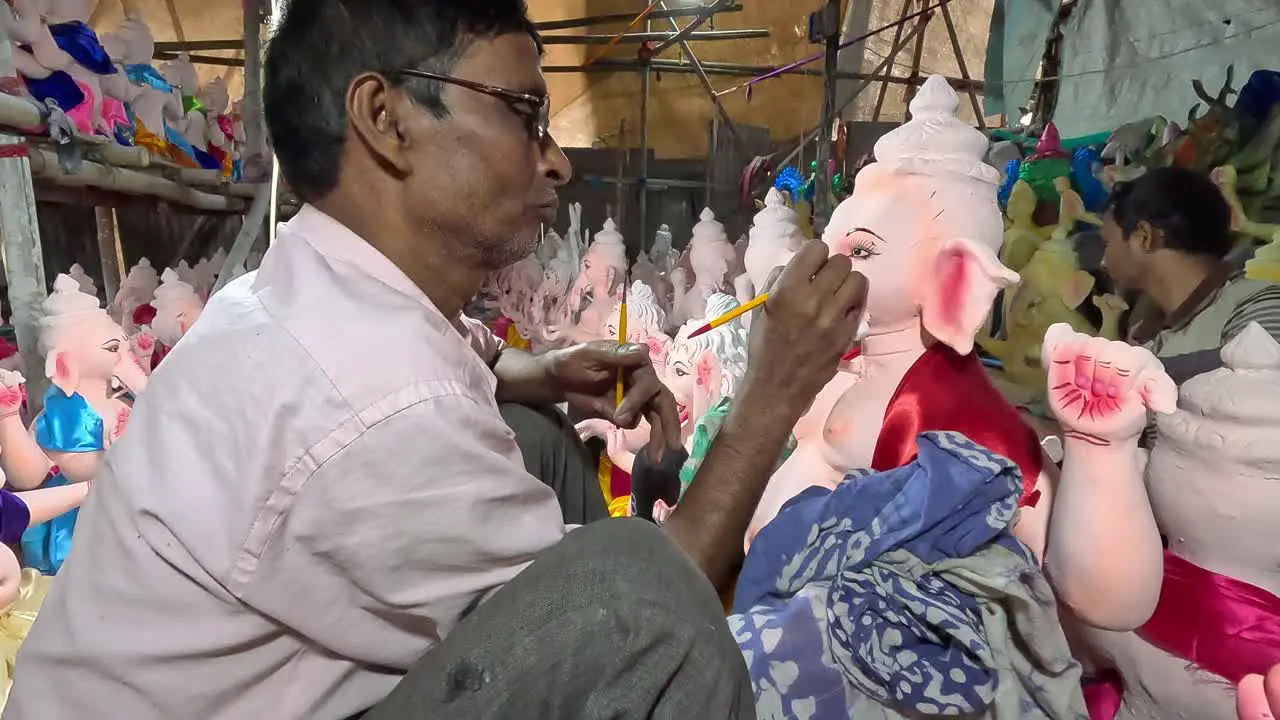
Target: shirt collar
1145,329
338,244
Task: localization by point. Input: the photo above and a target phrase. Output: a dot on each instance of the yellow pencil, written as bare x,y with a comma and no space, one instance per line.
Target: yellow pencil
622,339
731,315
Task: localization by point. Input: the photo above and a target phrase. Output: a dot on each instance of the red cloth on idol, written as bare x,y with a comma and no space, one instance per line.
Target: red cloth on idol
144,314
944,390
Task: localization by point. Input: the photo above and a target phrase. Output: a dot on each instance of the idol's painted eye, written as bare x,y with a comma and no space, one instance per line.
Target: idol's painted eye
860,244
863,250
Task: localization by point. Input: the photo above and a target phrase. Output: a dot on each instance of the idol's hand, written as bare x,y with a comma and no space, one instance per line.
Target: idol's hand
12,393
1258,698
587,376
1100,390
593,428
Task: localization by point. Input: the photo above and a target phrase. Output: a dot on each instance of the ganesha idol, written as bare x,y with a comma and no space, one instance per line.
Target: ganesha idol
600,280
152,101
699,371
136,289
645,321
70,75
93,376
177,307
923,225
775,234
712,258
1214,479
517,284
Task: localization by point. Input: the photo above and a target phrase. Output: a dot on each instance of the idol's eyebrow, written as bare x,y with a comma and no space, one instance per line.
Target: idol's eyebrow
868,231
112,340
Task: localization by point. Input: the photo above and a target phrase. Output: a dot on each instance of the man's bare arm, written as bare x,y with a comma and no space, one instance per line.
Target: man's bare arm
796,344
712,517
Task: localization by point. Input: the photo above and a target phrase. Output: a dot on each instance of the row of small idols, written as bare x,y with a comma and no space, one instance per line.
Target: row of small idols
109,87
152,310
571,291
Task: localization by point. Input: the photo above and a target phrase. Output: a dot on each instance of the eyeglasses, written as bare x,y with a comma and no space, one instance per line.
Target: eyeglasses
534,110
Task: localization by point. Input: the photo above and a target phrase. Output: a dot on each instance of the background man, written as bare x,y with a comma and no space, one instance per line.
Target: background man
318,503
1167,234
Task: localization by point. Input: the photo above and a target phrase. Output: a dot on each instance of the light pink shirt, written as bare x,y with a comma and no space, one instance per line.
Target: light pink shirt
314,487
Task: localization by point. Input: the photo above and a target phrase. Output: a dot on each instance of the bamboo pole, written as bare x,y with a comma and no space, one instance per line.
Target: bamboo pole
248,236
639,37
44,165
16,112
255,150
20,239
738,70
963,66
108,250
918,29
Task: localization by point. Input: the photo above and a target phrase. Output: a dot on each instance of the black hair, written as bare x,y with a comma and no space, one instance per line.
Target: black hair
1185,206
317,47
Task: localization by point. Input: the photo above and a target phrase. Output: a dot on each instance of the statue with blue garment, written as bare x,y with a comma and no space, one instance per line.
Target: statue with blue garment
93,376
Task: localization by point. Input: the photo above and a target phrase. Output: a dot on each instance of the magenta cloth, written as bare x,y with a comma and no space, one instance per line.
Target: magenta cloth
499,327
1214,622
1221,624
1102,695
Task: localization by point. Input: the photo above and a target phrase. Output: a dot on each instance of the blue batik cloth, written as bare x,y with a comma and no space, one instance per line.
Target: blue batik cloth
902,595
67,424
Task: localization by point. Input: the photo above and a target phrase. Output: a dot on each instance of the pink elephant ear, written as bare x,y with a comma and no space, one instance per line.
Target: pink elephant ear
707,374
62,372
658,352
957,287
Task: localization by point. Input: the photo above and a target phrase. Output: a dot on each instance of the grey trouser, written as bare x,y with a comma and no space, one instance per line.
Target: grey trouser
553,453
614,622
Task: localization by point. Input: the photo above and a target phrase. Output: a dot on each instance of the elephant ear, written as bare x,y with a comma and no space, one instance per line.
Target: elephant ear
1077,289
957,287
63,371
658,347
708,380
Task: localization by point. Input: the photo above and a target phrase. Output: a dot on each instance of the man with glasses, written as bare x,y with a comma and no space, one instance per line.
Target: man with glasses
318,511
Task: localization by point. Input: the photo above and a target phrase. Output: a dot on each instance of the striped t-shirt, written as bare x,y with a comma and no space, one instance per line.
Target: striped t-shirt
1194,345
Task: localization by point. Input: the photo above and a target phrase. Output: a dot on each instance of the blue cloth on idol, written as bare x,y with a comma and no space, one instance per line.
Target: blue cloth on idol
816,617
144,74
67,424
80,42
202,158
59,87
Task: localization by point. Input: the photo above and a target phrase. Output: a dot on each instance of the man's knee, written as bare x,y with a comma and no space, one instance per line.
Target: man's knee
635,560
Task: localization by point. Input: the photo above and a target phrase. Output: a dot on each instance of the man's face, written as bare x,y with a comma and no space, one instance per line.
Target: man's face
480,174
1122,259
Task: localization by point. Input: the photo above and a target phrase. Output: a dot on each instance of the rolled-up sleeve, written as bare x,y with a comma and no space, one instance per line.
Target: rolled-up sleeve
389,541
483,341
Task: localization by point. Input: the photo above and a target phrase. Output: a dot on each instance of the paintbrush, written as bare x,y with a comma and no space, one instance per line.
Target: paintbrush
731,315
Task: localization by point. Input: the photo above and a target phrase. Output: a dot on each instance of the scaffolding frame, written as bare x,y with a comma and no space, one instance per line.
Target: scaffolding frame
828,19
